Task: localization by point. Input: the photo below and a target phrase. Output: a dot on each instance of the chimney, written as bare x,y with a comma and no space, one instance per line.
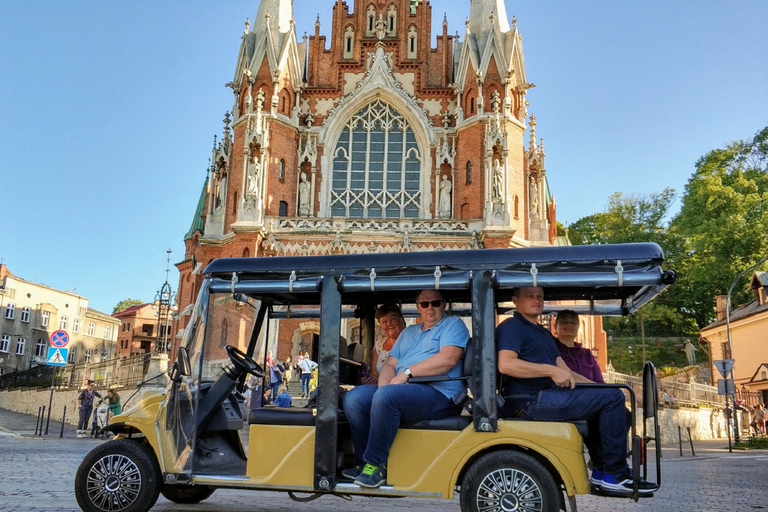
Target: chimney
721,301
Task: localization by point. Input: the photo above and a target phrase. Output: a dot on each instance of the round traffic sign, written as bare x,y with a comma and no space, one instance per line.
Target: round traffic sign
59,339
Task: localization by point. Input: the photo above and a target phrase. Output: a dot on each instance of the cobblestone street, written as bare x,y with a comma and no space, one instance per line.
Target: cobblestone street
37,474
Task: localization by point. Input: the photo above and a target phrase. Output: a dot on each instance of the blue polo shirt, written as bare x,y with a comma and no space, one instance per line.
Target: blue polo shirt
534,344
415,345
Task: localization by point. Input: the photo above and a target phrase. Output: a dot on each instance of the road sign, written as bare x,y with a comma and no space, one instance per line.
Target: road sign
59,339
726,387
724,366
57,356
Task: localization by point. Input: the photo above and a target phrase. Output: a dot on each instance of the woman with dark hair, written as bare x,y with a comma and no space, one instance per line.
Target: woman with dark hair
391,320
579,359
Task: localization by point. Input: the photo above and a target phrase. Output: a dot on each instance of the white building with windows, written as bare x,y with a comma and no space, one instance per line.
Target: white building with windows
31,312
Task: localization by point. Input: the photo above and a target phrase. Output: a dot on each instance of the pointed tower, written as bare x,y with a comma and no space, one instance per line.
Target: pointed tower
480,16
491,88
372,140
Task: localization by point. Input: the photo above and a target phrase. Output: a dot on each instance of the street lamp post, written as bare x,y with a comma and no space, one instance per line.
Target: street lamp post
730,345
163,304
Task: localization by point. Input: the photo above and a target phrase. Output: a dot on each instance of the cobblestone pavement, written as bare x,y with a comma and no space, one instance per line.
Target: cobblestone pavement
37,474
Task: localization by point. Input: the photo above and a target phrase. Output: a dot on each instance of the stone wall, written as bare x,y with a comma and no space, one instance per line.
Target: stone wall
704,422
29,401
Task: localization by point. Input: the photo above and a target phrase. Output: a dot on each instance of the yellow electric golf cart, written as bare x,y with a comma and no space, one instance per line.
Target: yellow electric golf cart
199,435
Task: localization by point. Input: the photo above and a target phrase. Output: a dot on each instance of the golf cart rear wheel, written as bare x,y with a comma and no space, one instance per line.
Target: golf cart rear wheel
186,494
120,476
506,481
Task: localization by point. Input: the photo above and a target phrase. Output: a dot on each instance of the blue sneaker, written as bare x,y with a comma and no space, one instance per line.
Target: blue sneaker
597,477
353,472
622,484
372,476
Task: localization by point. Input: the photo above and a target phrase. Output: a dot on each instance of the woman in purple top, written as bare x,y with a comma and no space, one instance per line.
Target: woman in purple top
579,359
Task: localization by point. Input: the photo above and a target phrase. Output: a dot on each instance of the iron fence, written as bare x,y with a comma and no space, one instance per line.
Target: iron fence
111,373
671,393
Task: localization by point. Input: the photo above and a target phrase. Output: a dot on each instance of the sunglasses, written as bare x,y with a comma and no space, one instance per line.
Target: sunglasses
426,303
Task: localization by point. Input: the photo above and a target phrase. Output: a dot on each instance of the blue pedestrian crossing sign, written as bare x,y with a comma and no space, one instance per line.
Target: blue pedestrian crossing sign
57,356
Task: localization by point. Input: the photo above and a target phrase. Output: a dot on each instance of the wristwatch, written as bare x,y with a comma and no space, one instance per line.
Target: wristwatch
408,373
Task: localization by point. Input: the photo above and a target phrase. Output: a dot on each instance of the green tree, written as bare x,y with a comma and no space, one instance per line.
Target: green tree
640,218
628,218
125,304
724,220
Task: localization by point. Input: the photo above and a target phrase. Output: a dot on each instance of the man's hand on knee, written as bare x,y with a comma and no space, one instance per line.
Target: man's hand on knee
563,378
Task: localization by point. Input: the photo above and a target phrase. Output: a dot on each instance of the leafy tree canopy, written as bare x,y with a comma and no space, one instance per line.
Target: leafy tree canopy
125,304
724,220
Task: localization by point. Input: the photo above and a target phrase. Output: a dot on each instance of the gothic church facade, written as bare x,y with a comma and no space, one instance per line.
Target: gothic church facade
371,141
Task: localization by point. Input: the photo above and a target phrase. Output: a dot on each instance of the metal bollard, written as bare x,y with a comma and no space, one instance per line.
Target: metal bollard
63,418
42,419
37,421
690,439
680,439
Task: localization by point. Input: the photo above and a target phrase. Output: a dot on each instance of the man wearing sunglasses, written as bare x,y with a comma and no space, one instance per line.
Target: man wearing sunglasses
374,411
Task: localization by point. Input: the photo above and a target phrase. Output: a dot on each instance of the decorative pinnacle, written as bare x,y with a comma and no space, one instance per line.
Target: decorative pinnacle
247,25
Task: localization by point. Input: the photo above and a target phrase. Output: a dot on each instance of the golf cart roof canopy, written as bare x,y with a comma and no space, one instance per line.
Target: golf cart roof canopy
613,279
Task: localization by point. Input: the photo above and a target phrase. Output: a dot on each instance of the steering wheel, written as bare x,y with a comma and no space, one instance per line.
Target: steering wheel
244,363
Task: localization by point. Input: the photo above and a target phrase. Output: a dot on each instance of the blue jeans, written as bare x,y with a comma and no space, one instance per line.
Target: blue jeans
305,378
602,408
85,415
374,415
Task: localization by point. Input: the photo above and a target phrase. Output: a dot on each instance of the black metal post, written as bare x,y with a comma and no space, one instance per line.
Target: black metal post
42,417
728,425
37,421
63,418
680,440
50,401
690,440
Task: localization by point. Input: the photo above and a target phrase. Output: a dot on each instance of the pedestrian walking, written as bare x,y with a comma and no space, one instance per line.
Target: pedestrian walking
85,405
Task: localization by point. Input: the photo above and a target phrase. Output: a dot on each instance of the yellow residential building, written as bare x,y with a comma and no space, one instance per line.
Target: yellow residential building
31,312
749,338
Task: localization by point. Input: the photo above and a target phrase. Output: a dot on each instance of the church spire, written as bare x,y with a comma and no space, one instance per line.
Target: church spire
485,15
277,12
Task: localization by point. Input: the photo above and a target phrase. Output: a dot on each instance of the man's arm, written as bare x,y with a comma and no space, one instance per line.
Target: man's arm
576,376
437,364
511,364
388,371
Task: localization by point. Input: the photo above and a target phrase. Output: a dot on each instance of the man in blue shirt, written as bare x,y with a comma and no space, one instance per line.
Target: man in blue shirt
543,388
374,411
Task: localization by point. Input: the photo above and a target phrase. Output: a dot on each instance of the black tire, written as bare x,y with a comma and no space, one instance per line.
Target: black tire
186,494
121,476
507,480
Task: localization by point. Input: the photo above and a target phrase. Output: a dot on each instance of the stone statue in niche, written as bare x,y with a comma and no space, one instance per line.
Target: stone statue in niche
303,195
533,190
445,197
252,188
221,193
497,178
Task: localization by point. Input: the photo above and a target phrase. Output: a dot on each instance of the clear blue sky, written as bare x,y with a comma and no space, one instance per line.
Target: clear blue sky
108,112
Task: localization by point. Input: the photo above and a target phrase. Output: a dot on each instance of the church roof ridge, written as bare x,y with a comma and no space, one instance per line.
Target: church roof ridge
198,222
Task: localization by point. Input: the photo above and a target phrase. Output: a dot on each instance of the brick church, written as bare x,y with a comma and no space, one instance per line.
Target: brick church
371,140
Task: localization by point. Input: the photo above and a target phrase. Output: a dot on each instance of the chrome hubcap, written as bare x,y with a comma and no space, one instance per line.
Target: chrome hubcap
509,490
113,482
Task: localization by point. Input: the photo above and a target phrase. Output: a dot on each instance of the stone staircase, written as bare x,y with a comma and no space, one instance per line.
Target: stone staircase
294,388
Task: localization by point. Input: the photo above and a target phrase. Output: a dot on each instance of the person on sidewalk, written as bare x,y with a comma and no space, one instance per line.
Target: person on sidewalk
374,411
283,398
543,388
306,365
85,406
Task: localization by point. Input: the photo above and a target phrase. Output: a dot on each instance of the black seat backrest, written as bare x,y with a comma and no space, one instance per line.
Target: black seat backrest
355,352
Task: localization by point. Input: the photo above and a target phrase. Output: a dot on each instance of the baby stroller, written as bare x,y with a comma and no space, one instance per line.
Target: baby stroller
100,420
